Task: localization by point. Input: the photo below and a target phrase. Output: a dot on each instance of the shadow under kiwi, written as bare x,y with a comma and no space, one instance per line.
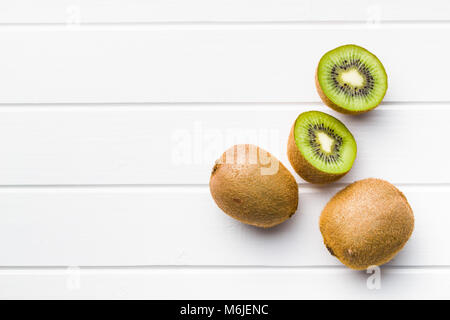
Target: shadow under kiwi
281,229
359,118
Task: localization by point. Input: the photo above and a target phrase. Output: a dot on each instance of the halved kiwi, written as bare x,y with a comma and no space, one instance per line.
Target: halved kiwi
351,80
321,149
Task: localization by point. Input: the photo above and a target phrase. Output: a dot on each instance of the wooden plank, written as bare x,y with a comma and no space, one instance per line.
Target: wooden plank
111,115
141,11
222,283
130,226
243,63
61,145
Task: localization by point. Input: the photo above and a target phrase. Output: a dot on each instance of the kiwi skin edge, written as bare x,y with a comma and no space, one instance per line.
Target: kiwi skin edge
334,106
367,223
304,168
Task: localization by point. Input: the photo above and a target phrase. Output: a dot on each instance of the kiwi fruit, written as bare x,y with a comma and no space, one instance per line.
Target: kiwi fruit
320,148
351,80
367,223
254,187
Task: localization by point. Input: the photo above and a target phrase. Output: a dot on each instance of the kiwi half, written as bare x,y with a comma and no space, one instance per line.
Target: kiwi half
254,187
351,80
320,148
367,223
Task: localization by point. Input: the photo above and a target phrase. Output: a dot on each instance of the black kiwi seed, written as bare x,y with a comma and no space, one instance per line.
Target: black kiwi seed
314,159
345,88
345,95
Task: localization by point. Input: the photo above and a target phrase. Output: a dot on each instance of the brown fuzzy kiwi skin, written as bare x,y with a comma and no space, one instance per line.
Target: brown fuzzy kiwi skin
304,169
244,193
334,106
367,223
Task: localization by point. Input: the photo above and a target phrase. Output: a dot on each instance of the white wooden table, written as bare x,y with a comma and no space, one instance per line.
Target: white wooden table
112,113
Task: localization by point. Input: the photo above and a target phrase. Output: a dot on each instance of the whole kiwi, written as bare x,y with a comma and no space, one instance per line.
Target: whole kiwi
254,187
367,223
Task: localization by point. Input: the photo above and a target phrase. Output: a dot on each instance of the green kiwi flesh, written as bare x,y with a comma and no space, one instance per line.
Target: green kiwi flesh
350,79
321,149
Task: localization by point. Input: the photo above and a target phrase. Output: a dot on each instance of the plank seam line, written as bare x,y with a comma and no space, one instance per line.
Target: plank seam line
304,187
227,23
193,103
209,106
214,267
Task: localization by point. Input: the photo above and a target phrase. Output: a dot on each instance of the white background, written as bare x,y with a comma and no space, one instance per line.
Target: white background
112,113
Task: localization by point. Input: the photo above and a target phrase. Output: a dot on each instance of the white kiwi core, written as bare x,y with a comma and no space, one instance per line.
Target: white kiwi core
326,142
353,78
